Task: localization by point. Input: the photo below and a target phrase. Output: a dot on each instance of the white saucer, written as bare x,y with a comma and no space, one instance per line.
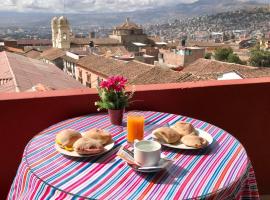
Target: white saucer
163,164
107,148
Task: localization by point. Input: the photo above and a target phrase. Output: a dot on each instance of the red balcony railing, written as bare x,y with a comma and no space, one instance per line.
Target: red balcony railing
242,107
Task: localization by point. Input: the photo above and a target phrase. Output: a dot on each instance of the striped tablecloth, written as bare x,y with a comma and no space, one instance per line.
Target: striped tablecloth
221,171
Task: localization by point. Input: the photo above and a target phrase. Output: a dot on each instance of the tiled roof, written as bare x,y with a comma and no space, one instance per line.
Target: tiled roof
26,73
160,75
13,49
97,41
136,72
114,51
33,54
52,54
110,67
32,42
211,69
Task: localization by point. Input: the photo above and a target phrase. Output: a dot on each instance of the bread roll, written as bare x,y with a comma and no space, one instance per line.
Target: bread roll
88,146
184,128
167,135
98,134
194,141
66,138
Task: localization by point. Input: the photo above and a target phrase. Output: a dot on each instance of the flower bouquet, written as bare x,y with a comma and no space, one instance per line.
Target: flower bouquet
114,98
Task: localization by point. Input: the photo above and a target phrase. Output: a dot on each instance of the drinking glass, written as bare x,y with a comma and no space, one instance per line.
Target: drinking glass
135,127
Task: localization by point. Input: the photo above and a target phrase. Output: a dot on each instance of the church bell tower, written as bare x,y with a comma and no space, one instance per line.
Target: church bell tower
60,33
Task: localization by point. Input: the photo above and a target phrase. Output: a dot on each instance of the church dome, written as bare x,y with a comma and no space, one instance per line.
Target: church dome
128,25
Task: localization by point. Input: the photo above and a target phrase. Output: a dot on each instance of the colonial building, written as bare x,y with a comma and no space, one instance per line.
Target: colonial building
60,32
182,57
129,33
92,69
70,60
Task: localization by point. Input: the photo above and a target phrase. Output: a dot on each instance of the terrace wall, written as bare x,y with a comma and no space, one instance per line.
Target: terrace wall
241,107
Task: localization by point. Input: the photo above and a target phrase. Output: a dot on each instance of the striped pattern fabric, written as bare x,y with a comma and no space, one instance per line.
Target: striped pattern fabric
220,171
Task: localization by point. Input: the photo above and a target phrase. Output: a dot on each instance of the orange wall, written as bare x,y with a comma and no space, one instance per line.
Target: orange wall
241,107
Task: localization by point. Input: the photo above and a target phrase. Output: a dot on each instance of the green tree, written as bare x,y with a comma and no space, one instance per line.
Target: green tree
260,58
234,58
208,55
222,54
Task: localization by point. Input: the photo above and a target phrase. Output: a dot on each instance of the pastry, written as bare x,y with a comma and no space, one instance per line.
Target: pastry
88,146
194,141
98,134
66,138
167,135
184,128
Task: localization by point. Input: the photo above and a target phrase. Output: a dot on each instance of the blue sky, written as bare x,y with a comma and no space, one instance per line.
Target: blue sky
87,5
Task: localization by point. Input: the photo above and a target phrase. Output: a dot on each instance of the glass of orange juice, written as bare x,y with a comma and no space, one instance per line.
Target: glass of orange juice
135,127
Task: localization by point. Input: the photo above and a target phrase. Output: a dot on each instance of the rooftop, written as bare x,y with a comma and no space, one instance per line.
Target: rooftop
19,73
34,42
52,54
110,67
97,41
33,54
212,69
160,75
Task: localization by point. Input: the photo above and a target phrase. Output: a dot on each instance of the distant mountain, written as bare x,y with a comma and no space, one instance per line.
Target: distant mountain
157,15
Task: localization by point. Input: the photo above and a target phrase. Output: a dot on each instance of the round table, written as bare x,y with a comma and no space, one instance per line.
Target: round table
220,171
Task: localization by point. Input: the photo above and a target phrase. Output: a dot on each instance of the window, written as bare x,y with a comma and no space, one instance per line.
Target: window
80,76
88,77
88,80
80,73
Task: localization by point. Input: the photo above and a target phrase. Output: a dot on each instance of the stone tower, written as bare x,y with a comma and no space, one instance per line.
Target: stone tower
54,31
60,33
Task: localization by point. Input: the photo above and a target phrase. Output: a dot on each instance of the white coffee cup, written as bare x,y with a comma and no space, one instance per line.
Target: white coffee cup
147,153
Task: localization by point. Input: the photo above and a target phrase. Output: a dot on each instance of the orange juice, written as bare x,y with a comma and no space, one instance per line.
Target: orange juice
135,127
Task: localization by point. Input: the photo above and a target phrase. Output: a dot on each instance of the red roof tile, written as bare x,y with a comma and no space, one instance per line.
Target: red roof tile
34,42
211,69
26,73
52,54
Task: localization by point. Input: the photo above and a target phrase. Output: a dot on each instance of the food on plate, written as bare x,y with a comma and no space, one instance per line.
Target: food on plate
98,134
88,146
194,141
66,138
167,135
184,128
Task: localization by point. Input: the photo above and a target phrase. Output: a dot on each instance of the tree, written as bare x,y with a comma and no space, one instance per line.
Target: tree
222,54
234,58
208,55
260,58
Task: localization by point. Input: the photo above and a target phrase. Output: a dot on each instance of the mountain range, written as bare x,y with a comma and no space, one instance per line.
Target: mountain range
149,16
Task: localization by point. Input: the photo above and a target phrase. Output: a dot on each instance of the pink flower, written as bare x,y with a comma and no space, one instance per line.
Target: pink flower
104,84
116,83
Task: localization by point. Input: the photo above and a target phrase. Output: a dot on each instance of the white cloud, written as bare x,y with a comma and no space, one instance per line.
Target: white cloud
85,5
88,5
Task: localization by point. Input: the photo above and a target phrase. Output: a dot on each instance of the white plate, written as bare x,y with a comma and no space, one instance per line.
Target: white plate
108,147
163,164
202,134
